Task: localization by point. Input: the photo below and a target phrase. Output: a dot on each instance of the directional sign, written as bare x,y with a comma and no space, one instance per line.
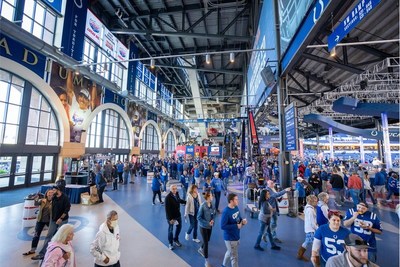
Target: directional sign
354,17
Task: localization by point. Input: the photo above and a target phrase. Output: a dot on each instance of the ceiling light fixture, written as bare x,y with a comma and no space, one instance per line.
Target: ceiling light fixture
208,58
333,52
152,63
232,57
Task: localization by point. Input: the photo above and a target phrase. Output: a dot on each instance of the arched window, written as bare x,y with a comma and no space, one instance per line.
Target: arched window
170,145
108,130
29,134
150,139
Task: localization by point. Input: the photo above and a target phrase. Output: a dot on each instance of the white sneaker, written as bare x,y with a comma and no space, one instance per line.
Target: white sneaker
196,240
187,236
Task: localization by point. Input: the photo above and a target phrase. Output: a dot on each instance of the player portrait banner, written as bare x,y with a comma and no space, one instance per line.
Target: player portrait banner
137,115
78,95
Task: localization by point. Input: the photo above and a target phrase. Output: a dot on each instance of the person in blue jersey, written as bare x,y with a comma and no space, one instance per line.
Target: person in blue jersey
366,224
393,187
234,171
120,170
184,180
328,240
355,254
240,172
231,223
197,175
226,173
217,186
322,209
301,192
164,178
156,185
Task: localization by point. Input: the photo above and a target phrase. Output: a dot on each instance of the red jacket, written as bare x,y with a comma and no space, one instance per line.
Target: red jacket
354,182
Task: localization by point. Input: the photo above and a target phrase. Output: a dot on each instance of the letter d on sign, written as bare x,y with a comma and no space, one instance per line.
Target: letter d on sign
29,55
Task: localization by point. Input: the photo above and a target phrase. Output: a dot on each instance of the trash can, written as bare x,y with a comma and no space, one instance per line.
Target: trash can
293,203
30,211
283,204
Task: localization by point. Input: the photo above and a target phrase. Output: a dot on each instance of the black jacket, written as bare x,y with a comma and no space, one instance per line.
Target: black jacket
336,181
60,205
172,206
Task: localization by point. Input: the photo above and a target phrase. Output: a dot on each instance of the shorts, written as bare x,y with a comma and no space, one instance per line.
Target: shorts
379,189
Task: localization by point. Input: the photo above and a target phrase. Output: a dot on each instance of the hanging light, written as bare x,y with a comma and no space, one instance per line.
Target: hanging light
333,52
208,59
232,57
152,63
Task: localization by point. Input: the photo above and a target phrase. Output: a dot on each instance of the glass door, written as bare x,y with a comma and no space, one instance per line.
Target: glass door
5,171
36,171
20,169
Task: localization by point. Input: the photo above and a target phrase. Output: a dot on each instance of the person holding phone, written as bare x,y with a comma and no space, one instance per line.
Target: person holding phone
231,223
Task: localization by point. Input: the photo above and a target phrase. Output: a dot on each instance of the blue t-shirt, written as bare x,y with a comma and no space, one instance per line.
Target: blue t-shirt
331,242
368,218
229,220
184,181
217,184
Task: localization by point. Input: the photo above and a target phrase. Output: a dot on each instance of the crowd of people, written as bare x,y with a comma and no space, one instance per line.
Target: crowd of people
333,238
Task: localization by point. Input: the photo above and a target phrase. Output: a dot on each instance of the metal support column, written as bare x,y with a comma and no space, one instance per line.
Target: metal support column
362,151
379,142
387,159
331,155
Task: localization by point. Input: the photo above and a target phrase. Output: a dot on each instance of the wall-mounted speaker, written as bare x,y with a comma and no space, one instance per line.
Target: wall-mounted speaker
268,76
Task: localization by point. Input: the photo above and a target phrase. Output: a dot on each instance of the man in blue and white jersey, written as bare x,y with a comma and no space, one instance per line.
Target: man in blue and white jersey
366,224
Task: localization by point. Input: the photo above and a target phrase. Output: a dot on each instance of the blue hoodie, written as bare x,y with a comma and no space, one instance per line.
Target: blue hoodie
156,184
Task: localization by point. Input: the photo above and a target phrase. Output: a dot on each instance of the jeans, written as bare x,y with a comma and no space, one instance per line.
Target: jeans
274,224
339,198
263,226
155,193
171,237
120,177
206,235
355,196
231,253
53,227
193,225
369,192
100,193
217,198
38,230
126,177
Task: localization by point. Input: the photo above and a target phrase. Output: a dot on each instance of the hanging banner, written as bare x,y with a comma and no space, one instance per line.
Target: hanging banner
23,55
243,139
110,43
74,28
215,129
215,151
94,28
78,95
54,4
254,136
133,68
189,152
122,53
181,151
111,97
138,116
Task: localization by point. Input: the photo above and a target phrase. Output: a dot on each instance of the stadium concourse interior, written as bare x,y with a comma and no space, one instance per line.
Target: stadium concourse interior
113,87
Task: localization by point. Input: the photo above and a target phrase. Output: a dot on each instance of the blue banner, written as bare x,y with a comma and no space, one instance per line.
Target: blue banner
111,97
132,68
354,17
17,52
74,28
290,128
54,4
190,150
265,38
312,18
